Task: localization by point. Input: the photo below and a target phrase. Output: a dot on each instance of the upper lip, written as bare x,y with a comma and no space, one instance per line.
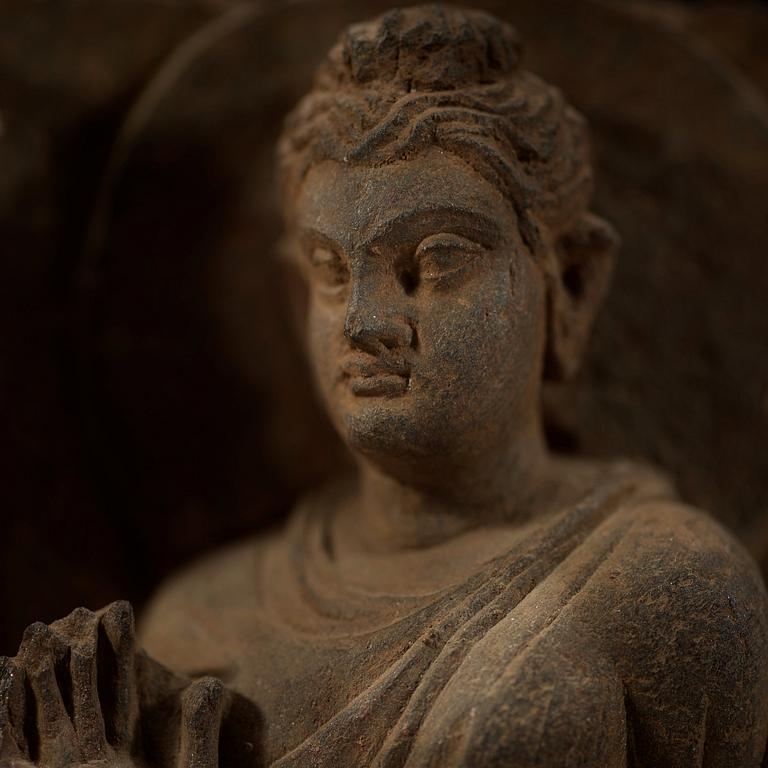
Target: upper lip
365,366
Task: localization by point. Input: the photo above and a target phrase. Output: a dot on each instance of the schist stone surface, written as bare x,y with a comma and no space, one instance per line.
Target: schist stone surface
467,598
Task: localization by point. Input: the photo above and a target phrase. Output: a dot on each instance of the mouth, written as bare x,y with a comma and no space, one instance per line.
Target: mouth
380,385
376,376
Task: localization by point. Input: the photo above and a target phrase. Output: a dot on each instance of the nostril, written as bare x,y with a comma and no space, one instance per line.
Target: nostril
399,333
390,342
375,332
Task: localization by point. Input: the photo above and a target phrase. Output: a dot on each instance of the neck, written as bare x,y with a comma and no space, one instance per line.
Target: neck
503,485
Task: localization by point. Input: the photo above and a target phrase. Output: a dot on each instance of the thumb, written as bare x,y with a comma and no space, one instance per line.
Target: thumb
202,706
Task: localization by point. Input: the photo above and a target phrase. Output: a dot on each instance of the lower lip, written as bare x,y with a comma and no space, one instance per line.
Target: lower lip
384,385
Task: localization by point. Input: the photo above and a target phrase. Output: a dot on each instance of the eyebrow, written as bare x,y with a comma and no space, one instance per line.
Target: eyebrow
468,221
456,219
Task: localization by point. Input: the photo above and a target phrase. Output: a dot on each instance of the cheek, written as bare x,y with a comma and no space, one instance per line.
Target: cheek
487,339
325,325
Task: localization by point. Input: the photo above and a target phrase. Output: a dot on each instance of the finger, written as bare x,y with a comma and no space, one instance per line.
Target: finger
80,631
117,668
76,625
87,715
13,742
202,704
83,667
43,654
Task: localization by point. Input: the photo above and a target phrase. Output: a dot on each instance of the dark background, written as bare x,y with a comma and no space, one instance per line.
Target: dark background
153,397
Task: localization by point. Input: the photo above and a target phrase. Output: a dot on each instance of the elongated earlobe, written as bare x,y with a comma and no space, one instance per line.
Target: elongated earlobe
580,269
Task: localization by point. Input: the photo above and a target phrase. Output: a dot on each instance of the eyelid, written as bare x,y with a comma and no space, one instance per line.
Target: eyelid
447,240
445,254
326,249
328,271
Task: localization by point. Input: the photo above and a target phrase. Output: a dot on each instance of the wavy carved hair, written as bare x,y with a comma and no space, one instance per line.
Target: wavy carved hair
436,76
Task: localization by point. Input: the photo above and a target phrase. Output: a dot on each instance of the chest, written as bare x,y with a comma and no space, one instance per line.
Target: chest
302,683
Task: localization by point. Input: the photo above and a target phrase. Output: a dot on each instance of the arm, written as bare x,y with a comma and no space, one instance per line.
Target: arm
688,629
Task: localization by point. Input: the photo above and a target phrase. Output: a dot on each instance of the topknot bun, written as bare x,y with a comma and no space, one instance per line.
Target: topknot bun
432,47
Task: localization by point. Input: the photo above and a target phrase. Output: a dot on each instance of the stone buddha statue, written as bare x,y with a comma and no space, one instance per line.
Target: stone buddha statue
467,598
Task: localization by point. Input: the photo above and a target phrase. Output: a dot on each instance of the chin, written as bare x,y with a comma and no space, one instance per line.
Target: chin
389,431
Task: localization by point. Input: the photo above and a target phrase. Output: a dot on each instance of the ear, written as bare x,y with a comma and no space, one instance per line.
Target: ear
580,268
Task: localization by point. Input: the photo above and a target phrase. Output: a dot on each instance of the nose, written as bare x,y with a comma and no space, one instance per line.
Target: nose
373,320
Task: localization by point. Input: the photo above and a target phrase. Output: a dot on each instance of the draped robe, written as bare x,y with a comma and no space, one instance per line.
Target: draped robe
625,630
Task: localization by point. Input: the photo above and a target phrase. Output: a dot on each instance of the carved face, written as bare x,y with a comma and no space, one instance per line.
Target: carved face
426,312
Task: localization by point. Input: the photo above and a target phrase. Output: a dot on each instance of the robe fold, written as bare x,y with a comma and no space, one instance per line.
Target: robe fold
609,635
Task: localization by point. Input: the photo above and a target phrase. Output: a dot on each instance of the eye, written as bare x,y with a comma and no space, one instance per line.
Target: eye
445,254
328,268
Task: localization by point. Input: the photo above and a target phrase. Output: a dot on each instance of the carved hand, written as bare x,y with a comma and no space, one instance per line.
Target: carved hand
78,692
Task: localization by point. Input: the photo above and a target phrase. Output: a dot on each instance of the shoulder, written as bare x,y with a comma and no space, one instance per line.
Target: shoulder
201,618
181,624
658,556
655,628
675,552
676,567
683,614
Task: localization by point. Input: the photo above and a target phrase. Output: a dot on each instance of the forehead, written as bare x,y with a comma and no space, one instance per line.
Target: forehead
350,204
